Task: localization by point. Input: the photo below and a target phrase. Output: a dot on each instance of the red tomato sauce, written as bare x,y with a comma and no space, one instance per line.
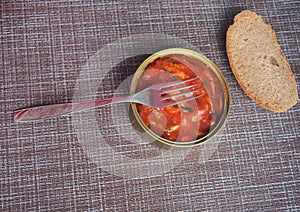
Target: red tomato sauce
183,122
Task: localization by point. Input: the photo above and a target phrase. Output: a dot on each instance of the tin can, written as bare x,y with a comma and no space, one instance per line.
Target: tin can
211,77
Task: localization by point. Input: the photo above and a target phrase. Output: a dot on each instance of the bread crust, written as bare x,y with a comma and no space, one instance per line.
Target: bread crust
262,102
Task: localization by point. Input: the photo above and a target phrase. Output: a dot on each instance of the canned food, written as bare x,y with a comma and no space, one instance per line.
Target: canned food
191,122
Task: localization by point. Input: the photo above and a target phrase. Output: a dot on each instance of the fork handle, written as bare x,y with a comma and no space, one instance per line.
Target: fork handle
49,111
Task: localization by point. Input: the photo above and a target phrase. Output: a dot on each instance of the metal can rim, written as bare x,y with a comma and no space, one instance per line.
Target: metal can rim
212,66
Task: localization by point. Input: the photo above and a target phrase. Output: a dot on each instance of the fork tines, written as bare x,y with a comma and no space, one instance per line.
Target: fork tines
182,91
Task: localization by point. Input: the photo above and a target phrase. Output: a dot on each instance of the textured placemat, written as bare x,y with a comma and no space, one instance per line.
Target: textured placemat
49,48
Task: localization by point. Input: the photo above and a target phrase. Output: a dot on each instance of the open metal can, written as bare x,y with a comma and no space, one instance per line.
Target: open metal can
190,123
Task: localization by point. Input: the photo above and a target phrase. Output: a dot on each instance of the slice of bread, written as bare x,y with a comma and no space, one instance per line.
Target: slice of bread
258,63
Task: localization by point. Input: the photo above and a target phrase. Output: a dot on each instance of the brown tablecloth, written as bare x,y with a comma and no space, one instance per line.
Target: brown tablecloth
60,51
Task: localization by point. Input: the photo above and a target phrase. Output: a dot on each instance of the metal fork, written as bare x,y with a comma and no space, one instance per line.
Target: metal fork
158,95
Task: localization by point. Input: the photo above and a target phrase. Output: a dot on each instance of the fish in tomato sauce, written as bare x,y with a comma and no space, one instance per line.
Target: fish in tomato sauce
183,122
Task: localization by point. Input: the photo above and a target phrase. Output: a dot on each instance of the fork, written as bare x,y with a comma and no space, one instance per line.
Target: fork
158,95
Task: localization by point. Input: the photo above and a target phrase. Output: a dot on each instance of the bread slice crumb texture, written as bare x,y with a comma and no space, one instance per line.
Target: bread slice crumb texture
258,63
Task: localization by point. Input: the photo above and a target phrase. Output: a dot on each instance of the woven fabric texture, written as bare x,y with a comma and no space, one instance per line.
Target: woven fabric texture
44,166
